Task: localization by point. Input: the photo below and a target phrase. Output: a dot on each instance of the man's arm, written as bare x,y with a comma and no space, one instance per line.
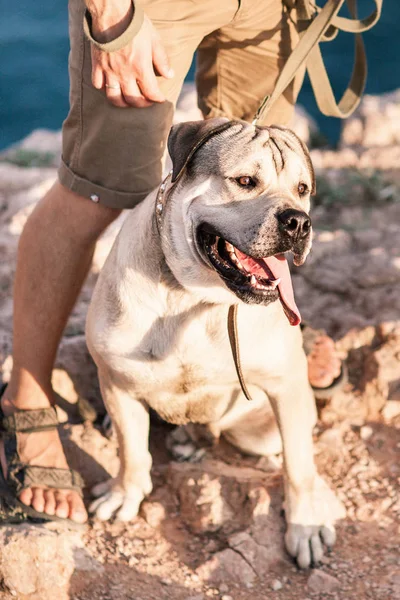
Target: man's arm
132,70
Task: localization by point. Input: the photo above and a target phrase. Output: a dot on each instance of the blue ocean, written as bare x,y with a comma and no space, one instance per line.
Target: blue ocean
34,54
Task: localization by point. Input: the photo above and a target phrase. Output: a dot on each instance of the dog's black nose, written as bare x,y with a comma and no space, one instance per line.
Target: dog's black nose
295,223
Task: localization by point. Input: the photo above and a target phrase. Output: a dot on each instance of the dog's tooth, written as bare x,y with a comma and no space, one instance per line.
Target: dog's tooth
229,247
253,280
275,282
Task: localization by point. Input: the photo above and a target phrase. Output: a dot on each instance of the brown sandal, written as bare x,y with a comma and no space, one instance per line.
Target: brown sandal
21,476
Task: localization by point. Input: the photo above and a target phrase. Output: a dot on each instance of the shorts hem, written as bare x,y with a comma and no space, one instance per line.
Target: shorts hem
97,193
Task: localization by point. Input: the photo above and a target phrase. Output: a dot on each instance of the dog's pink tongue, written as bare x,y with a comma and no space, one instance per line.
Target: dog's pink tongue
275,267
278,265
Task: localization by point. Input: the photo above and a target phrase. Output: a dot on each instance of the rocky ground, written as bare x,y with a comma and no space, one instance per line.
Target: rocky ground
214,529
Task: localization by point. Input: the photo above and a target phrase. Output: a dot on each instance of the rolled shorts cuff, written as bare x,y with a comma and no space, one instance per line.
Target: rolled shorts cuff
98,193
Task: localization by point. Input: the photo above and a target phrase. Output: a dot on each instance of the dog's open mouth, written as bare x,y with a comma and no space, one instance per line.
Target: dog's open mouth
260,280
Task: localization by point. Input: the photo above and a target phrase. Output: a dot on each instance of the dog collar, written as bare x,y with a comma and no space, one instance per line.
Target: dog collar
160,201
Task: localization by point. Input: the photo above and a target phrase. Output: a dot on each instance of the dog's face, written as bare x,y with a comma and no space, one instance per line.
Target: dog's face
240,201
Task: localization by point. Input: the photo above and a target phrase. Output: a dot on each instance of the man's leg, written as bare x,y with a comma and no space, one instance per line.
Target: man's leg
54,255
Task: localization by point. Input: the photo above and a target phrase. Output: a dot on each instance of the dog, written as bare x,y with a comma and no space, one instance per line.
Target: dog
214,235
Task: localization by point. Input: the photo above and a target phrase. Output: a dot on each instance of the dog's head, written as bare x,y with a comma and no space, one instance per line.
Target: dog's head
240,200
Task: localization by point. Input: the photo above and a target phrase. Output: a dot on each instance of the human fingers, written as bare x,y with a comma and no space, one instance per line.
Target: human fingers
160,58
149,85
133,96
114,93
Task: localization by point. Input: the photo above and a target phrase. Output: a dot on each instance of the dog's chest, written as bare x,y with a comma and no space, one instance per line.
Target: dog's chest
191,348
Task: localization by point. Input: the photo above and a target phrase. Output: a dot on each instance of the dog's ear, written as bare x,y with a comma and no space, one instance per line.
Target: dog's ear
186,138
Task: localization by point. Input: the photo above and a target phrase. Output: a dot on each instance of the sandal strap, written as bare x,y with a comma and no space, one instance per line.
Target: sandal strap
22,476
28,421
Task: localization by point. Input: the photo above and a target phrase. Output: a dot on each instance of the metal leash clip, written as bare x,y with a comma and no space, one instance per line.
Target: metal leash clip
260,109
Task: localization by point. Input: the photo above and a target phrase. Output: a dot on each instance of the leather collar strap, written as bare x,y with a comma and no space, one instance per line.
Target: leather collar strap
315,25
234,341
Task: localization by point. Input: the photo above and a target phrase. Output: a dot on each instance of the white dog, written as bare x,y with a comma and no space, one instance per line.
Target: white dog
214,236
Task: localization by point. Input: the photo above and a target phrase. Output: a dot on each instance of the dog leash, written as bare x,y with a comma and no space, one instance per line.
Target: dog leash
314,25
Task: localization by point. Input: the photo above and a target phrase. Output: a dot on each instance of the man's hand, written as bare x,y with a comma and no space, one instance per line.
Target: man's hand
130,72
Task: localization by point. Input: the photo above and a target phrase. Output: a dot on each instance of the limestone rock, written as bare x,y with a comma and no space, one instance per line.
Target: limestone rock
214,496
261,558
376,122
322,583
35,560
227,566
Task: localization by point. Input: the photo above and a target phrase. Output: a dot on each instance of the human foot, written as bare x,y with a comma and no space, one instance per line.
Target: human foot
324,366
43,449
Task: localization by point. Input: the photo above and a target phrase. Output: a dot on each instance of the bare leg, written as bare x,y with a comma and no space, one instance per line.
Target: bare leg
323,363
54,255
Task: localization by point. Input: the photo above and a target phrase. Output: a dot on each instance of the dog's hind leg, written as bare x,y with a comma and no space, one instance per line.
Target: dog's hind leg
123,494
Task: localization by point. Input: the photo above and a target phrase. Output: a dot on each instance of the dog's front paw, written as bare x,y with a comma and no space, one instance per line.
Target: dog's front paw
112,499
311,515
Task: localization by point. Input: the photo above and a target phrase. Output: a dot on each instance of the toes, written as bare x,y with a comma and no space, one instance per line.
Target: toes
304,553
317,550
77,511
101,488
26,496
49,502
130,507
38,500
62,508
328,535
292,542
105,506
306,543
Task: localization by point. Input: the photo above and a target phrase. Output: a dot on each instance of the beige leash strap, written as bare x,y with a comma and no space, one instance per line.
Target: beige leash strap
315,25
233,338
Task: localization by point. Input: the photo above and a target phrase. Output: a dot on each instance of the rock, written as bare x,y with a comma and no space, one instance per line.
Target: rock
331,439
380,379
225,597
304,125
261,558
35,560
366,432
226,566
391,410
197,597
42,146
375,123
213,495
153,513
223,588
276,585
322,583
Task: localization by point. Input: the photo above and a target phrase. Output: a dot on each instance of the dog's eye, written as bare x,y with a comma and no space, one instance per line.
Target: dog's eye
245,181
302,189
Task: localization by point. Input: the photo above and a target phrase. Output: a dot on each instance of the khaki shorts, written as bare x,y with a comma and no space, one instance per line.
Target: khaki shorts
114,155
